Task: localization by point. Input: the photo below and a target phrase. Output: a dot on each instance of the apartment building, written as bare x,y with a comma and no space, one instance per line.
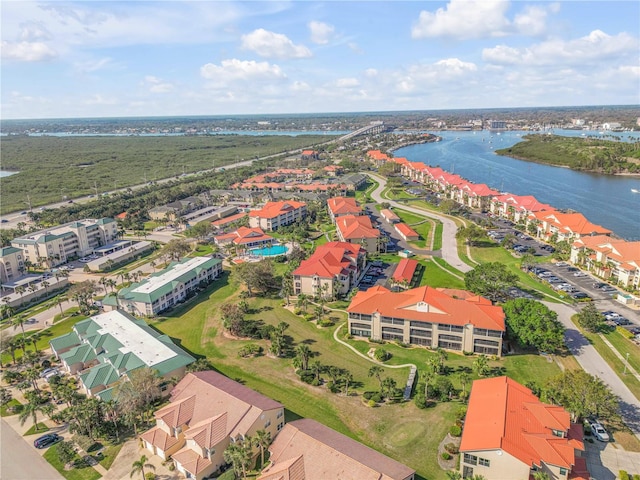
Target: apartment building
517,208
207,412
277,214
358,229
307,450
11,264
332,270
103,348
168,287
57,245
435,318
341,206
565,226
509,434
245,237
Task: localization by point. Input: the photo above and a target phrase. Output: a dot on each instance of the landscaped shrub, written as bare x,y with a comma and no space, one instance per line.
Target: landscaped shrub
377,397
150,476
420,401
368,395
297,311
333,388
371,403
636,476
456,431
381,355
623,475
445,456
306,376
451,448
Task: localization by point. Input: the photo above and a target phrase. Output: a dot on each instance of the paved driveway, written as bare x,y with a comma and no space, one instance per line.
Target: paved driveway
605,460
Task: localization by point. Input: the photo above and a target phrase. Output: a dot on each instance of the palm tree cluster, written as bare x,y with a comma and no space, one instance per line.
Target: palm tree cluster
240,453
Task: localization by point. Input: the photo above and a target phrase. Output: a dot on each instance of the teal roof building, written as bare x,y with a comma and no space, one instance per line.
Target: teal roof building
103,349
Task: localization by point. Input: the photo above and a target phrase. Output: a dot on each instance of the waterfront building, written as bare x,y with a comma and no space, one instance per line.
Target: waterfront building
332,270
565,226
207,413
104,348
341,206
246,238
166,288
435,318
307,450
58,245
277,214
358,229
517,208
509,434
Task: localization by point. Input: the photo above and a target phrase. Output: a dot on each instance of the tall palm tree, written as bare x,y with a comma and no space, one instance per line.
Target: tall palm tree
262,440
347,378
19,321
376,371
316,368
32,407
303,352
139,465
540,475
454,475
303,302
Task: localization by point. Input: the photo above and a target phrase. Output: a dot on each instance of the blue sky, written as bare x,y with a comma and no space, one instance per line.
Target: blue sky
134,58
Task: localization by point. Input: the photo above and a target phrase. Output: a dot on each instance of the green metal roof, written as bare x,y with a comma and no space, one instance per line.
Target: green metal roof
106,395
82,353
103,374
150,297
110,300
65,341
9,250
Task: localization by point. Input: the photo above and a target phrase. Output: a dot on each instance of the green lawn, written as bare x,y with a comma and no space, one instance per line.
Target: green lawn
42,428
423,229
109,454
201,251
434,276
4,410
85,473
625,347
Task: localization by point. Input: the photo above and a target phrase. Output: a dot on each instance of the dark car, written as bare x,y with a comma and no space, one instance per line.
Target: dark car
46,440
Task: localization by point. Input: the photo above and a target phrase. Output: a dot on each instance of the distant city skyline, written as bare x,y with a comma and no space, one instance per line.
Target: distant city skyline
110,59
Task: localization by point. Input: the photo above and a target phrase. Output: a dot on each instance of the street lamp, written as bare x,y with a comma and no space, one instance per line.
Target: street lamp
625,365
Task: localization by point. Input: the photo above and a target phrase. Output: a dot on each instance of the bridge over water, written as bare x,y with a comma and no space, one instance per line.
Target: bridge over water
373,127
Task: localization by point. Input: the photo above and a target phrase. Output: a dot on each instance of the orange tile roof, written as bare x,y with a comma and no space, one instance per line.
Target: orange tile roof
274,209
356,227
527,203
343,205
159,438
191,461
329,260
503,414
575,223
209,432
406,230
177,413
405,270
442,308
249,235
309,152
327,454
619,250
388,214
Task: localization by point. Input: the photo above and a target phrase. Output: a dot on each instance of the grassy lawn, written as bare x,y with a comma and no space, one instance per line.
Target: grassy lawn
625,347
85,473
109,455
201,251
437,240
59,328
42,428
387,428
423,229
436,277
452,270
4,410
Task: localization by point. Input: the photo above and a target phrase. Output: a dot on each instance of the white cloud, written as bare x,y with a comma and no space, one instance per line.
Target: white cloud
273,45
98,99
157,85
34,31
532,22
27,51
321,33
299,86
347,82
591,49
355,48
94,65
234,69
464,19
371,72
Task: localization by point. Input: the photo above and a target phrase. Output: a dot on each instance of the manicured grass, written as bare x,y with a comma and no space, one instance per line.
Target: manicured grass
625,347
42,428
452,270
4,410
434,276
85,473
201,251
420,224
437,239
109,454
59,328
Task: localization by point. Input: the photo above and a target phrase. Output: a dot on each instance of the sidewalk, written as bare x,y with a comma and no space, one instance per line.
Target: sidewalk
615,351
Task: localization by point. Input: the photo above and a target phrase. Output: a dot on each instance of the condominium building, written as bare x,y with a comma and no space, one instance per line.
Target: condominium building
165,289
57,245
332,270
565,226
11,264
105,347
436,318
207,413
341,206
358,229
307,450
509,434
277,214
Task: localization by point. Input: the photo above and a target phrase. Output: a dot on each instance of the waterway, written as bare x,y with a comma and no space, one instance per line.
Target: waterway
605,200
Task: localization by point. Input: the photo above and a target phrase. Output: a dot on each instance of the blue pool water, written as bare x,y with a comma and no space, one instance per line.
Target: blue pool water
272,251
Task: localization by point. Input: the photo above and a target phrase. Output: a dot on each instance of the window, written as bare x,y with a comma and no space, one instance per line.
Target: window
558,433
470,459
484,462
280,414
563,471
267,424
280,426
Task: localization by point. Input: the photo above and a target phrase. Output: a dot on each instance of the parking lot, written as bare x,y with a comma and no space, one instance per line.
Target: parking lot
378,273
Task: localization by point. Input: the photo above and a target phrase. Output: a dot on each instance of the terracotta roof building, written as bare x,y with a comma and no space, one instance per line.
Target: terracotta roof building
517,207
277,214
404,272
307,450
335,264
207,412
245,237
509,434
341,206
406,232
389,216
565,226
430,317
358,229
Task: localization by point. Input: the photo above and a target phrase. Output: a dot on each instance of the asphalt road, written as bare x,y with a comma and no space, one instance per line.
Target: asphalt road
19,460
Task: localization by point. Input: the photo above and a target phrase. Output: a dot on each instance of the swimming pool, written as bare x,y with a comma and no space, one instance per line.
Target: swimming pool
272,251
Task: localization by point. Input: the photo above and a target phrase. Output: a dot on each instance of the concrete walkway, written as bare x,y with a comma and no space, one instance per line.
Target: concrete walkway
605,460
628,368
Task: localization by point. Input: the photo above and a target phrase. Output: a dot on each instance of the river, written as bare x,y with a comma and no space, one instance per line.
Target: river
605,200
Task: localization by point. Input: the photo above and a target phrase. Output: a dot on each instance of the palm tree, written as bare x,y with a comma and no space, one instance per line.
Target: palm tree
427,375
316,368
139,465
376,371
20,290
303,302
347,378
540,475
454,475
262,440
303,353
464,380
19,320
481,365
388,386
237,455
33,339
32,407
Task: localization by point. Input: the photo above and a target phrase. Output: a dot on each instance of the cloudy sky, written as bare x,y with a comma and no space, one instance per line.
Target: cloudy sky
144,58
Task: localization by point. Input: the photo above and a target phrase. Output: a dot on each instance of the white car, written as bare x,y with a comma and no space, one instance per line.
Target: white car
599,432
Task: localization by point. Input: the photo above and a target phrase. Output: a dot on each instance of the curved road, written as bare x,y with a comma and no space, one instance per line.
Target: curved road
586,355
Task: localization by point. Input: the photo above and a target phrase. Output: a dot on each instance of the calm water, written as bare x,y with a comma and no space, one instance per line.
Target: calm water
4,173
606,200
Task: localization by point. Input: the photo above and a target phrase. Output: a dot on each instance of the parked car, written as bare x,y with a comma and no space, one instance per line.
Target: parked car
47,372
46,440
599,432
